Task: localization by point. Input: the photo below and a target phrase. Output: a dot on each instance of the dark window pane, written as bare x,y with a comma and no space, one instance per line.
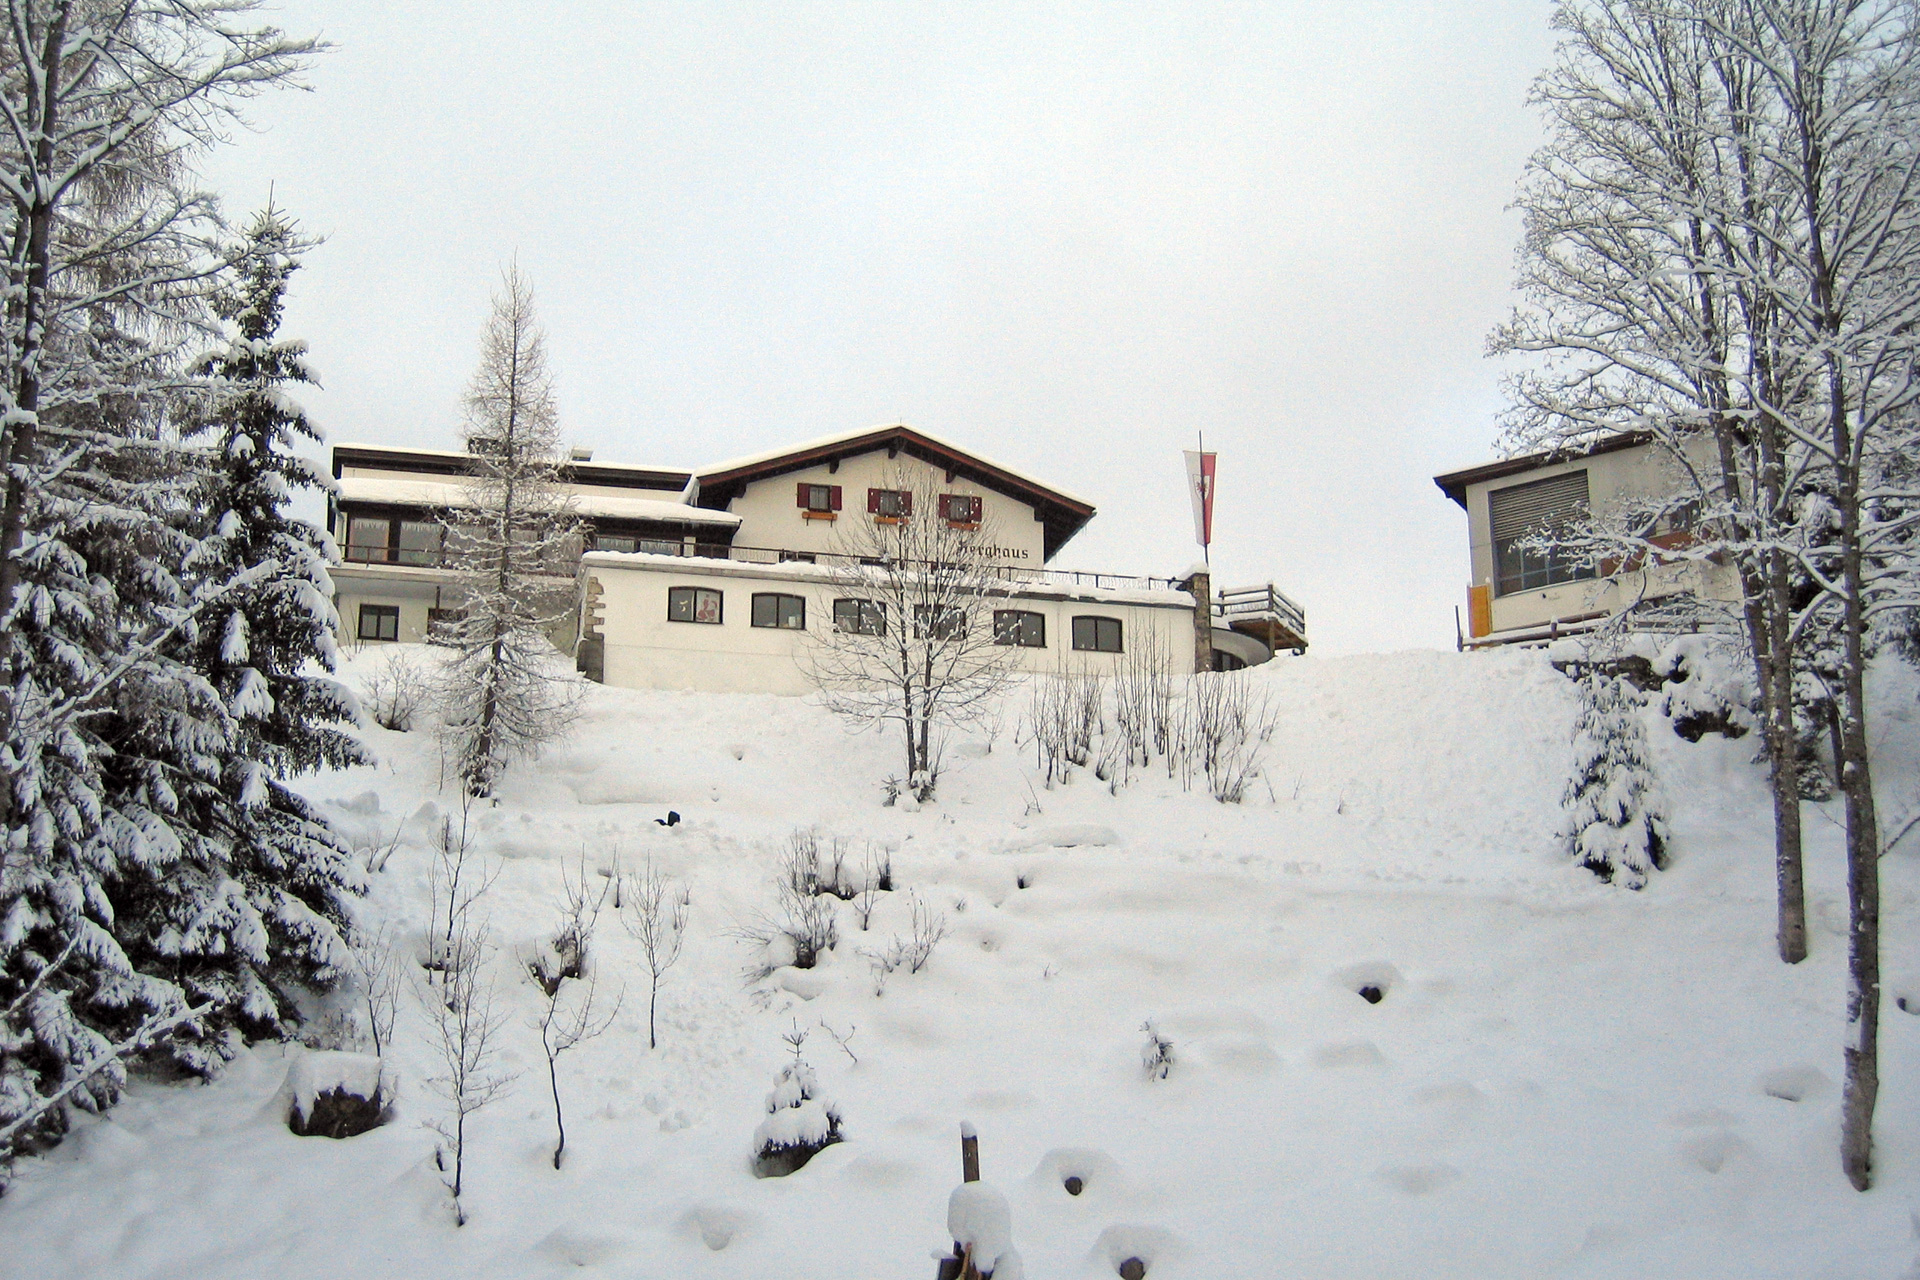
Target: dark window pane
367,538
419,542
789,613
860,617
1019,627
379,622
1097,635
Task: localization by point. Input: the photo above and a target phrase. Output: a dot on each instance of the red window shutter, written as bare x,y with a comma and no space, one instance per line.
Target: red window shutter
834,501
906,502
801,496
873,502
973,509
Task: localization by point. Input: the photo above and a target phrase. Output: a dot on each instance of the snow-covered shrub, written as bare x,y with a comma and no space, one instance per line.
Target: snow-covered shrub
1222,730
1707,688
799,1124
1063,716
1615,824
804,921
396,692
1156,1055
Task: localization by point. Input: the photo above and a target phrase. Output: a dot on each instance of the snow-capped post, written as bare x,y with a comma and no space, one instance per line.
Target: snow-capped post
980,1224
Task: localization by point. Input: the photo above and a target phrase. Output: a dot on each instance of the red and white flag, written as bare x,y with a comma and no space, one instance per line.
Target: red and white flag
1200,487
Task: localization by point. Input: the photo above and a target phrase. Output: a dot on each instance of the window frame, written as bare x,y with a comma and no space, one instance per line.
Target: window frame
878,499
863,609
970,512
780,600
381,614
1096,622
1517,571
1018,617
927,627
817,501
693,595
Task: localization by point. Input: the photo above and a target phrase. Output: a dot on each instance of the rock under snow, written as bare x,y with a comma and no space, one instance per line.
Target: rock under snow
335,1094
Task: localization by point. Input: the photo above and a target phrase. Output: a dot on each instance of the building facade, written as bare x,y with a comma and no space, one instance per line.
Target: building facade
1518,593
719,579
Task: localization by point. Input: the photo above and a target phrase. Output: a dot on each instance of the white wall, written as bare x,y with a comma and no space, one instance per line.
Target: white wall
645,650
770,517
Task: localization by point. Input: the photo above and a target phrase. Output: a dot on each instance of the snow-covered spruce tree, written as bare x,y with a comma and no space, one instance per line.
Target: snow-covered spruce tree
277,874
800,1122
514,543
109,741
1615,825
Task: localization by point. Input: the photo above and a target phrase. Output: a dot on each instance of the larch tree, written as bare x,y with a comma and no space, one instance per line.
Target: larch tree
514,542
112,746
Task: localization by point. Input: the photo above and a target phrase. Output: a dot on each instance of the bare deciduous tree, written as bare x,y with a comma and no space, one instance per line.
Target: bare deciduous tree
1723,238
655,915
514,543
570,1015
911,641
466,1039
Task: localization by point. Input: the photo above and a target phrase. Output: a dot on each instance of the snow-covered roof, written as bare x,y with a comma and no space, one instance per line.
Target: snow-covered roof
461,457
842,437
452,493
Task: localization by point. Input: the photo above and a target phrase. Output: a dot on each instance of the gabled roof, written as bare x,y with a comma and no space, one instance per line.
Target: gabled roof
1064,514
1454,483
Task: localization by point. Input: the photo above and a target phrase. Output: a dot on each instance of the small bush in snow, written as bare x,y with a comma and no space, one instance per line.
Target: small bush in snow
397,692
804,921
799,1124
1156,1055
1614,825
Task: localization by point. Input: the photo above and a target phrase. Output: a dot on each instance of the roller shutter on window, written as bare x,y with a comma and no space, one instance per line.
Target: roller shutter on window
1537,507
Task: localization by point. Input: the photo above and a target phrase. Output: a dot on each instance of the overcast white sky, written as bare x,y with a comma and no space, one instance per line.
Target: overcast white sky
1064,236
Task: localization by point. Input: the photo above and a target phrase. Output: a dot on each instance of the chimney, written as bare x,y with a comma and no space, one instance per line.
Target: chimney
582,455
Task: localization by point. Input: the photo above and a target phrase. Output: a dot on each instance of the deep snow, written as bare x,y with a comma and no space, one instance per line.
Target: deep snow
1560,1079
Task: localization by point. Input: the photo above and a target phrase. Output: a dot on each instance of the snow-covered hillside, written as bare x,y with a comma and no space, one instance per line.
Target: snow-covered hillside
1560,1078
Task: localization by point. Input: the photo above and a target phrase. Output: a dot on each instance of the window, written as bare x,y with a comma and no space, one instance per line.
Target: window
367,538
693,604
939,621
959,508
419,542
1097,635
1541,507
798,557
818,499
788,613
607,542
1018,627
379,622
890,504
860,617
